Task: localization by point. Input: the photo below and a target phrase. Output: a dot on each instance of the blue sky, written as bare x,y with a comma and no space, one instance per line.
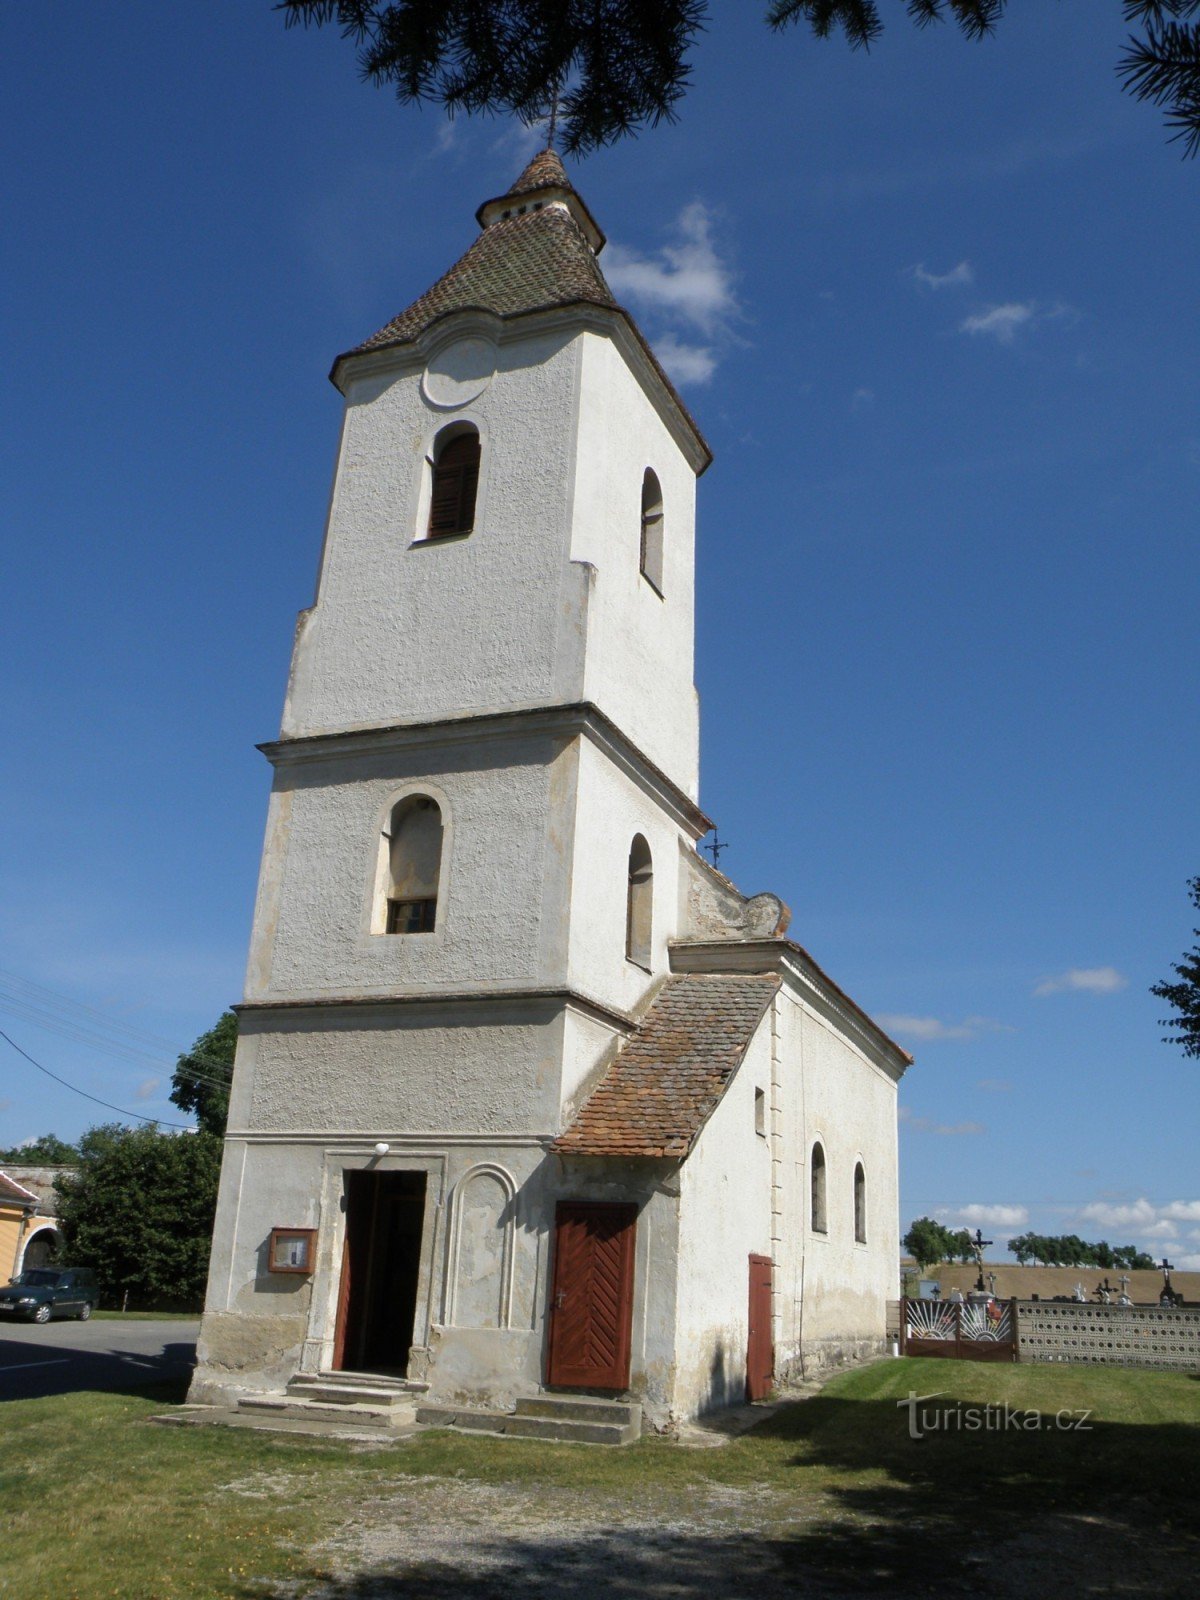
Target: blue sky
935,310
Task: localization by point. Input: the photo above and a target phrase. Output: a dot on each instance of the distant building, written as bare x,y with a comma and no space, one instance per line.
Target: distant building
29,1234
527,1094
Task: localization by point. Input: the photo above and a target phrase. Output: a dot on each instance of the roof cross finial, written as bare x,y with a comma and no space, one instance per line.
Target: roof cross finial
552,130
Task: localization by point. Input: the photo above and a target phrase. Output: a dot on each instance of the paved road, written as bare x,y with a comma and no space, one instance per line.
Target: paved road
59,1357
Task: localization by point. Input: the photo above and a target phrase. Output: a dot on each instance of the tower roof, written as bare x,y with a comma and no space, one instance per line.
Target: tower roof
537,252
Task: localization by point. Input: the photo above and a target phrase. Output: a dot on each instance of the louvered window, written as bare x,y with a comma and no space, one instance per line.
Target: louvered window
455,480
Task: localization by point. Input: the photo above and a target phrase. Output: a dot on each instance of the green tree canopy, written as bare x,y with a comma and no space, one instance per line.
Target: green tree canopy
139,1211
928,1242
46,1151
202,1076
620,67
1184,995
1069,1250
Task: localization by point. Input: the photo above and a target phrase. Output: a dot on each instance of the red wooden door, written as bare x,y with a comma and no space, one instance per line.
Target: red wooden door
592,1296
760,1349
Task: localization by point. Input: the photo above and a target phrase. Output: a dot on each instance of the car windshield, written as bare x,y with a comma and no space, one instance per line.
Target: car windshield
38,1278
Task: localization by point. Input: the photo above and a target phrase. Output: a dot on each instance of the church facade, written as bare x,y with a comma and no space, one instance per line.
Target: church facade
528,1097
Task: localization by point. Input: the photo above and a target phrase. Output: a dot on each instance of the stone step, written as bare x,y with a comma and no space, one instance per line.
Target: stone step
335,1388
299,1427
472,1419
519,1425
349,1413
582,1408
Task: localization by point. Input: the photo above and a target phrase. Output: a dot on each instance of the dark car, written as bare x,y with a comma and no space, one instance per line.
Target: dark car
44,1292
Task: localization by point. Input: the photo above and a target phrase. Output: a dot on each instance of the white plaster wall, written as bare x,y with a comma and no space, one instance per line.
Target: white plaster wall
507,814
588,1046
832,1291
390,1070
725,1216
639,666
410,630
611,809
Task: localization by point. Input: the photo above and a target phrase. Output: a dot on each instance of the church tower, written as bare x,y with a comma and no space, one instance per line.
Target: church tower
480,863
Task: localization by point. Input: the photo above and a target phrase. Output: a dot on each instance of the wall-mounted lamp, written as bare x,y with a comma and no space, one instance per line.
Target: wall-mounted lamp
382,1148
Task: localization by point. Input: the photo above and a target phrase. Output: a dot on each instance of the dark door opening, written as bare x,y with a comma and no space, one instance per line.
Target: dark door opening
377,1298
592,1298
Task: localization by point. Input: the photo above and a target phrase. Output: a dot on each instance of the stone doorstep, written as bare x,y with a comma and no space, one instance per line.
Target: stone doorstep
349,1412
304,1428
336,1388
546,1417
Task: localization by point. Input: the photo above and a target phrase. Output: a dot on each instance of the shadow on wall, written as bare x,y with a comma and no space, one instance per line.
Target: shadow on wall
833,1497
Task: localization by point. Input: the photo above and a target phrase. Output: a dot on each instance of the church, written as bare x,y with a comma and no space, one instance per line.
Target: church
529,1100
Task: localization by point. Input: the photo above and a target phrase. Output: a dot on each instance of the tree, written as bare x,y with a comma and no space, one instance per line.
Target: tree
928,1242
616,67
139,1210
46,1151
1184,996
202,1077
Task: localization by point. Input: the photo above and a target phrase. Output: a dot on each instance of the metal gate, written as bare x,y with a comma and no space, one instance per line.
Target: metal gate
974,1330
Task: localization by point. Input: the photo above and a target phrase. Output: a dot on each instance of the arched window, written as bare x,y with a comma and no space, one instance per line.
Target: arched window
455,481
860,1204
414,864
817,1181
639,903
652,531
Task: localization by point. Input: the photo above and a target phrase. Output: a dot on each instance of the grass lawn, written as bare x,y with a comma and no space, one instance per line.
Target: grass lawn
95,1502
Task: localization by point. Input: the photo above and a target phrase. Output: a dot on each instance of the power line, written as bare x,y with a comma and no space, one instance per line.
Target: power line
107,1104
84,1024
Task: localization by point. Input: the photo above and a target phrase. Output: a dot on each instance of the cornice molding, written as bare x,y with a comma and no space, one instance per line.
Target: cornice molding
581,718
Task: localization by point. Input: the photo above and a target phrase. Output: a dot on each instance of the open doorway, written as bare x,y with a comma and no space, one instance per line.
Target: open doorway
377,1297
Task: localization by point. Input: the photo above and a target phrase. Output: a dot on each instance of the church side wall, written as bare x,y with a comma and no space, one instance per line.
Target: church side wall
725,1216
384,642
502,906
832,1292
640,645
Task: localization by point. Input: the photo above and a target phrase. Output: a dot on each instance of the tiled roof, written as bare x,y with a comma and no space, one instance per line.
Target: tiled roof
11,1190
527,263
542,172
670,1076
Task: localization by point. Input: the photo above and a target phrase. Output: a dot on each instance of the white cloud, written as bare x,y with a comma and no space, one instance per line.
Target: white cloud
686,279
994,1085
955,278
147,1089
522,140
985,1216
685,287
1090,980
1188,1263
1141,1218
1000,322
931,1030
686,363
943,1129
862,397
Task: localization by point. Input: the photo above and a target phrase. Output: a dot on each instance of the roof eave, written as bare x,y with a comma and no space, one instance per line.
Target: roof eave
356,361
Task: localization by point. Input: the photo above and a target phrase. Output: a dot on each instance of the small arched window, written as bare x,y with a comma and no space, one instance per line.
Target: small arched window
414,864
455,482
652,531
817,1184
639,903
860,1204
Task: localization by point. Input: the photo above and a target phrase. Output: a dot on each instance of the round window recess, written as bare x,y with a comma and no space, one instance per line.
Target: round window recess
458,373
